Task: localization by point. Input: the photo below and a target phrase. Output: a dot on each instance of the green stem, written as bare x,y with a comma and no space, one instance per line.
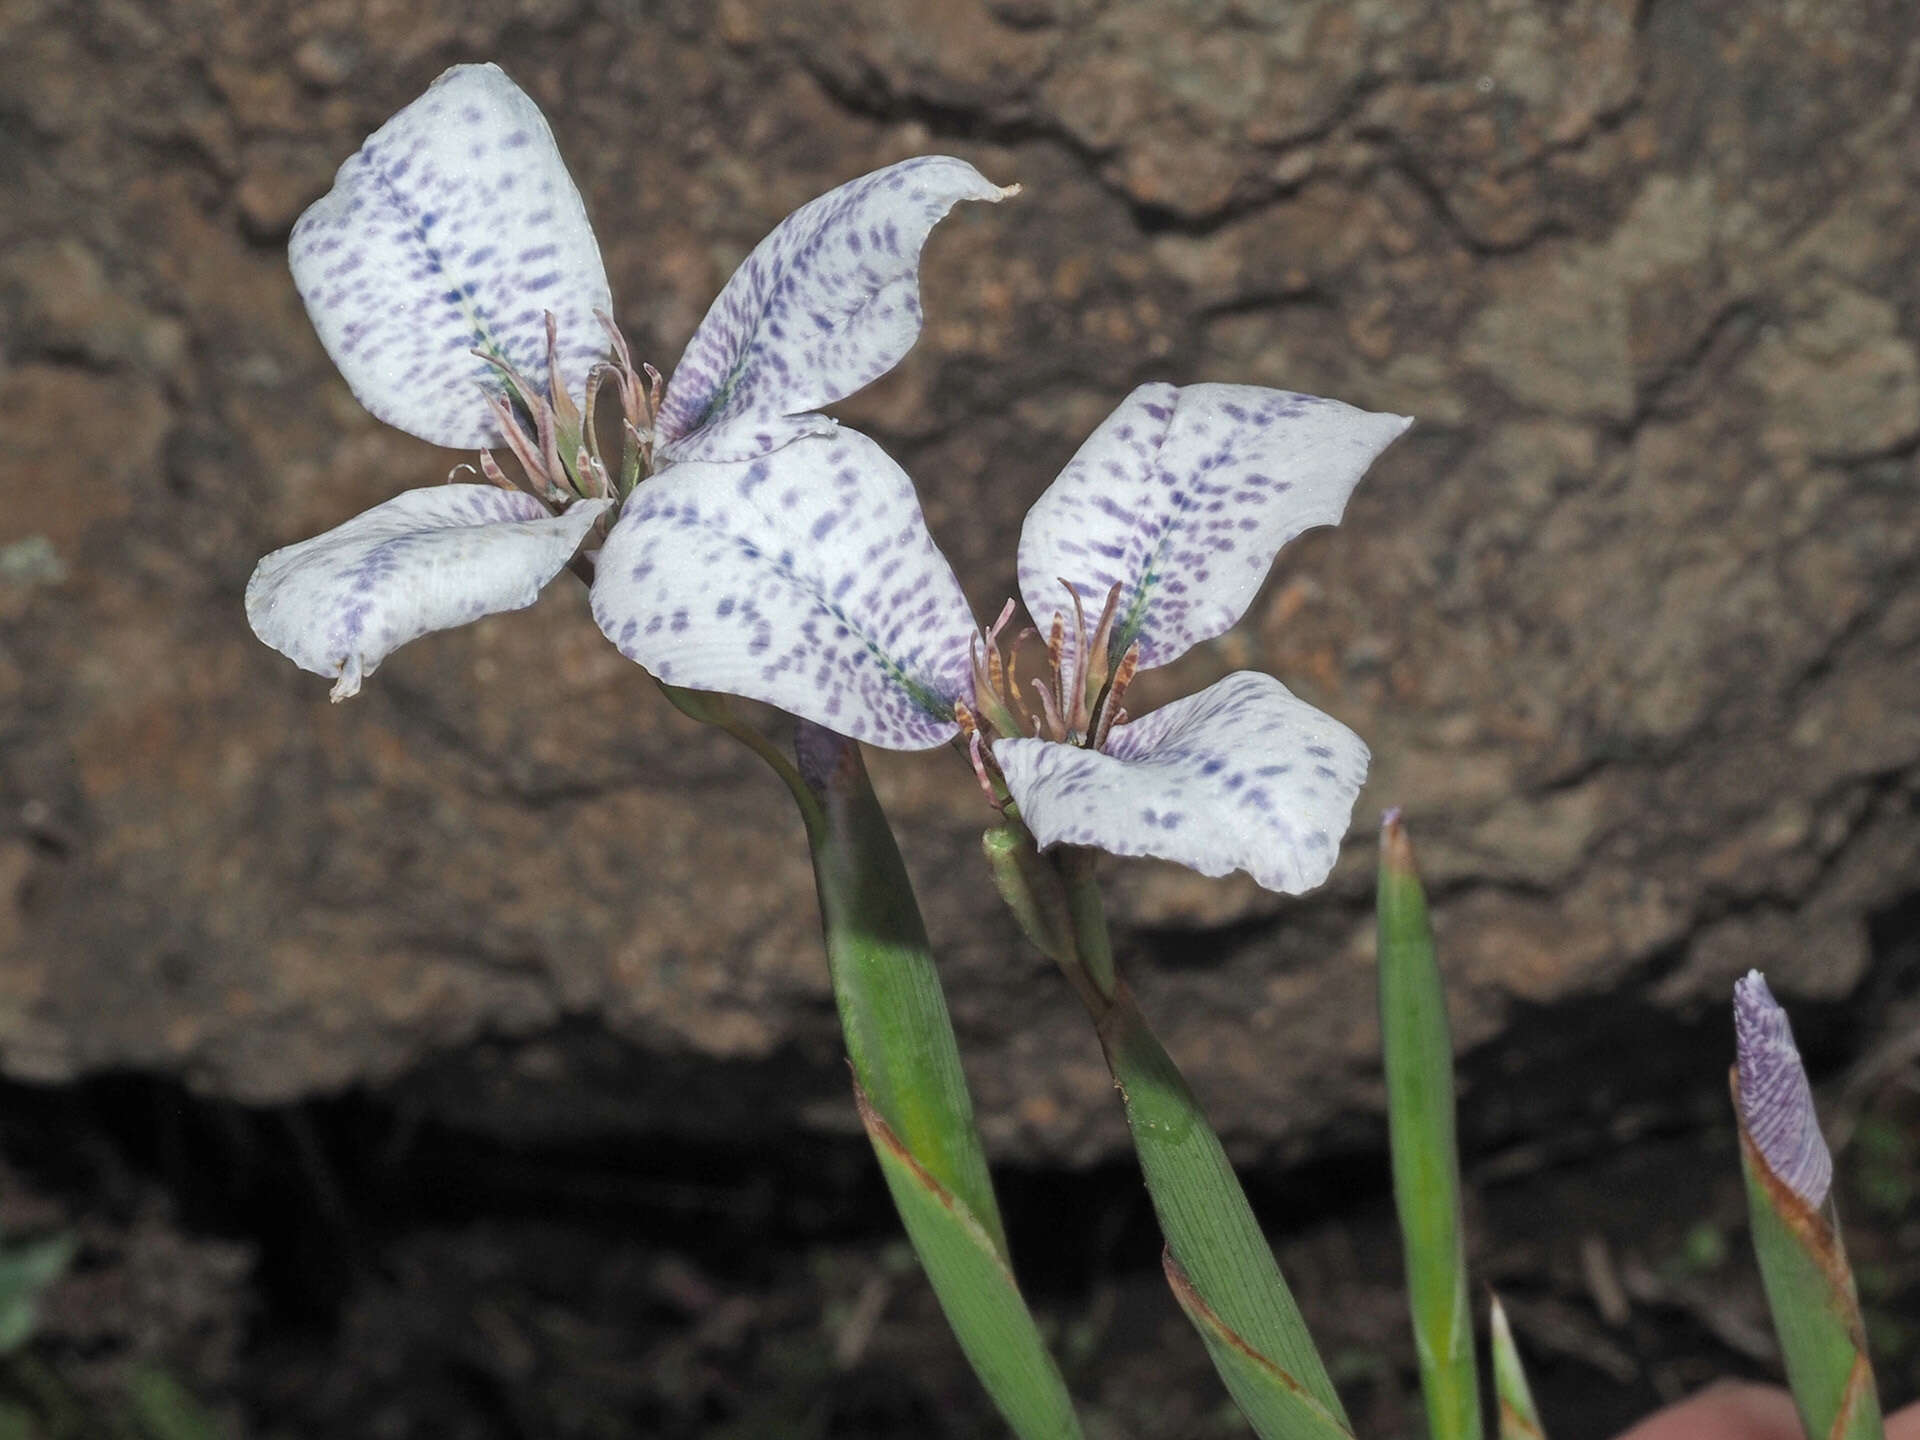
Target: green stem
1089,911
1218,1261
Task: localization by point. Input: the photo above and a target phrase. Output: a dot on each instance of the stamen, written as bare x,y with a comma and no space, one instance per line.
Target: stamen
1006,614
539,482
1013,682
549,439
616,339
592,473
1103,639
491,471
974,753
1056,651
563,407
655,393
1109,701
589,430
982,679
1129,667
1073,689
996,667
521,388
1056,728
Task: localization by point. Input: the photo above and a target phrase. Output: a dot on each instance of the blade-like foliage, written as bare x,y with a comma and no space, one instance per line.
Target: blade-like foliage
1519,1416
1219,1261
1420,1122
913,1097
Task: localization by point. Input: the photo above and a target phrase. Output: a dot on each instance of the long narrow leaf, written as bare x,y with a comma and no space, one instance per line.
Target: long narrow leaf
1815,1310
1519,1417
898,1032
1219,1261
1420,1122
912,1094
978,1292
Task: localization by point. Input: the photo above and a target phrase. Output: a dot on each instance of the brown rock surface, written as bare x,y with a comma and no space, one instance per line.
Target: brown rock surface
1630,618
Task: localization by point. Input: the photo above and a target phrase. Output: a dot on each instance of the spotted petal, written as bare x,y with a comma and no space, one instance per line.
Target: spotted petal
827,303
1182,497
455,227
805,578
426,560
1241,776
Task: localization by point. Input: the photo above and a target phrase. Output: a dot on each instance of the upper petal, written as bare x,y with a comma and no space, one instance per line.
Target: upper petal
1241,776
455,227
805,578
827,303
1182,497
426,560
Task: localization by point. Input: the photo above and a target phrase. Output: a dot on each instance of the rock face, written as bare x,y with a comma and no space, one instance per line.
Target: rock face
1630,618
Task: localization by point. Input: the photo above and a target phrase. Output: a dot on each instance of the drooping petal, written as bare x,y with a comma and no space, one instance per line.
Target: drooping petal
827,303
805,578
454,228
426,560
1241,776
1776,1103
1182,497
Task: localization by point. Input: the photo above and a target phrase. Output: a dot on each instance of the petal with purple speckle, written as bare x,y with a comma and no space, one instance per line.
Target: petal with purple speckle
1776,1103
1182,497
1241,776
827,303
455,227
805,578
426,560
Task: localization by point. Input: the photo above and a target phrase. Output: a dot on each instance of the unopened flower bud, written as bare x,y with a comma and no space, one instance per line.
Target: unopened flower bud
1776,1103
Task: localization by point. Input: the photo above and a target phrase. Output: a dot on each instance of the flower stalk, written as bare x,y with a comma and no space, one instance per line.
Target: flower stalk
1217,1259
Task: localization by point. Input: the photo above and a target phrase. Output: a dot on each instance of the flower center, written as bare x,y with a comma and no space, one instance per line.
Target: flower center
558,443
1079,693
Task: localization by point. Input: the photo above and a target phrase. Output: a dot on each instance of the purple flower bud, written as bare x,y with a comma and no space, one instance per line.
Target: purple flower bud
1776,1105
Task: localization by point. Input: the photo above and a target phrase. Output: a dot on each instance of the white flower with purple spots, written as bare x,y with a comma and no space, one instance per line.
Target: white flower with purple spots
817,588
454,278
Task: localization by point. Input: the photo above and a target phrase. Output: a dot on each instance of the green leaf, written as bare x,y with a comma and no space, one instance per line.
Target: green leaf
1269,1397
892,1009
27,1269
1816,1311
1219,1262
977,1291
164,1409
1420,1123
912,1094
1519,1418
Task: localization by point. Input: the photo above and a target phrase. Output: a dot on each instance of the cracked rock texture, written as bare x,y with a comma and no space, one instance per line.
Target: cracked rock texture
1630,618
